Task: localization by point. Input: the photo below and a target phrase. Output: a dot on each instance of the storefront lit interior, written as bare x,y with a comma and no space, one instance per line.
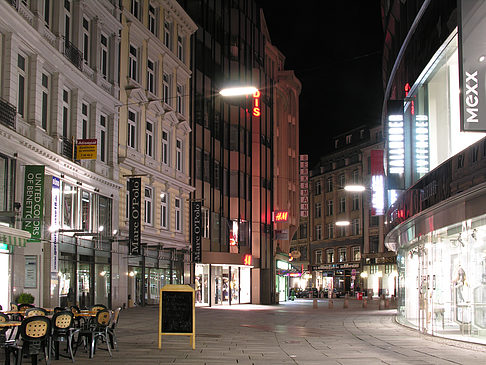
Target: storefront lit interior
222,284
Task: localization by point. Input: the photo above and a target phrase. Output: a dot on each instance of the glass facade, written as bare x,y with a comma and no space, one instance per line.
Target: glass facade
442,281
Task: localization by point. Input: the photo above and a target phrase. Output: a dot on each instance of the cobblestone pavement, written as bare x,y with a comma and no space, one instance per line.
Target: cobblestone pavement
289,333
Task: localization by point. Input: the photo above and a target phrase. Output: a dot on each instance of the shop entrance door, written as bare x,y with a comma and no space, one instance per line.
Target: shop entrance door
425,292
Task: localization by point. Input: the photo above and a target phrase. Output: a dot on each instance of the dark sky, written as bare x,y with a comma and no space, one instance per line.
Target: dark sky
335,49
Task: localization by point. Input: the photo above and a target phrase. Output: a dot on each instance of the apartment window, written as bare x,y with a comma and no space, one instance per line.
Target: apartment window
103,138
151,81
148,204
164,210
47,11
356,176
179,155
152,21
330,256
166,88
67,20
84,121
180,47
330,207
330,230
342,204
348,138
86,40
165,147
342,181
132,63
303,230
167,34
374,242
355,224
356,254
104,56
22,85
45,101
318,210
65,113
318,256
205,222
135,8
149,139
342,254
178,217
180,100
132,129
329,185
355,201
317,187
318,232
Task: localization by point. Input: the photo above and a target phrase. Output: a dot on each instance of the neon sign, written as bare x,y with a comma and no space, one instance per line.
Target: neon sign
256,104
422,143
247,260
280,216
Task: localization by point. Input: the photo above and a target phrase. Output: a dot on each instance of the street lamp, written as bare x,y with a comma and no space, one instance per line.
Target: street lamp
355,188
238,91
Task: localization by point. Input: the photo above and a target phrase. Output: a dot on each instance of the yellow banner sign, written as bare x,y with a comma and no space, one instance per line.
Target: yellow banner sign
86,149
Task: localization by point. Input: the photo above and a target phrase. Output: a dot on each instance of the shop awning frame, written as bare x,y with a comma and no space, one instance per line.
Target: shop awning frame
14,237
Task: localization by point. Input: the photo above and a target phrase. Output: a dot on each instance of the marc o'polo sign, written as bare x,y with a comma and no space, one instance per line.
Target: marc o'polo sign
134,221
33,207
196,231
472,65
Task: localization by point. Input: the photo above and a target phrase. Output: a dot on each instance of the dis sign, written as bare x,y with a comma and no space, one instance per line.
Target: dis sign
256,104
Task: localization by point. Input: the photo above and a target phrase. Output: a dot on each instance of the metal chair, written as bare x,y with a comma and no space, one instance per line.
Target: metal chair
33,341
35,312
111,328
63,330
99,330
24,306
59,309
97,307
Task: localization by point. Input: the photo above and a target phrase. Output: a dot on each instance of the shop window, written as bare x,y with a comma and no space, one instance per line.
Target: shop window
86,211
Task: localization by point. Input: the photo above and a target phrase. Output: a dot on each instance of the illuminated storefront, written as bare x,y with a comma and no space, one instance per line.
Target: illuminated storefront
217,284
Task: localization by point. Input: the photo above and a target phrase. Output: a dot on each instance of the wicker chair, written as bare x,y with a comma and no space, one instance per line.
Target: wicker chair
63,330
33,341
99,330
35,312
59,309
97,307
111,328
24,306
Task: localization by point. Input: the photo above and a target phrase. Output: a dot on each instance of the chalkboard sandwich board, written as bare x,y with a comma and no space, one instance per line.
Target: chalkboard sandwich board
177,312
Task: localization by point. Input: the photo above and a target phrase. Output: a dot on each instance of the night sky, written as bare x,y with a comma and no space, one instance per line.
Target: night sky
335,49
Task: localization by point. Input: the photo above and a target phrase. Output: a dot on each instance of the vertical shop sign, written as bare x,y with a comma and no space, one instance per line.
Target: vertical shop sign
196,231
377,183
135,216
55,222
33,208
472,64
304,185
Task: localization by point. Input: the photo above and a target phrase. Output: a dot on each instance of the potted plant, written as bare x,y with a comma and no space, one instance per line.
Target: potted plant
25,298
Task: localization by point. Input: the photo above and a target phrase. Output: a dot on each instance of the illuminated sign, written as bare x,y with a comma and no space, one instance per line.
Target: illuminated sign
377,183
280,216
396,137
247,260
422,144
304,185
256,104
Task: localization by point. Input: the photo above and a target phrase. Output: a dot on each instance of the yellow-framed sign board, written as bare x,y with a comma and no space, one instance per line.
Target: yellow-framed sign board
177,312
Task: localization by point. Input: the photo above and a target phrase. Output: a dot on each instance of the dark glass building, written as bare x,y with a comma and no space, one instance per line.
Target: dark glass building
232,154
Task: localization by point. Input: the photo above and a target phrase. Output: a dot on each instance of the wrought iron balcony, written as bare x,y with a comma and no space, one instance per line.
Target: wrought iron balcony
73,54
7,113
68,148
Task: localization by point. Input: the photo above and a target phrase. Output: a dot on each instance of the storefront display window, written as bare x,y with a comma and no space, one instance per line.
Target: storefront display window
102,282
202,284
442,281
84,284
66,280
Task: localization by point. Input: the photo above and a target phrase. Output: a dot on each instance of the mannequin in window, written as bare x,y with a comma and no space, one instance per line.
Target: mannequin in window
459,283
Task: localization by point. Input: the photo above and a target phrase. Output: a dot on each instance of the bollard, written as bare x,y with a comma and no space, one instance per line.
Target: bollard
314,303
365,303
331,304
346,302
382,302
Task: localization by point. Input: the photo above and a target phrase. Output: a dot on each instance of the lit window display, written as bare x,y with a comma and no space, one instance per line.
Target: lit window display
442,281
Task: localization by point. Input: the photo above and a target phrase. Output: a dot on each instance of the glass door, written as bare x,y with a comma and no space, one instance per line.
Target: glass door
84,284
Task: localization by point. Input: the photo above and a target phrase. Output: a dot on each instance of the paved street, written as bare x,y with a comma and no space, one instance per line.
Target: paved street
290,333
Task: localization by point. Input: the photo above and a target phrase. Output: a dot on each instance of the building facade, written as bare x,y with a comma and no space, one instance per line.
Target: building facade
154,145
59,91
346,241
436,184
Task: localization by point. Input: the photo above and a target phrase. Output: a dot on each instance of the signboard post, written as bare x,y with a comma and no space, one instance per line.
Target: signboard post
177,313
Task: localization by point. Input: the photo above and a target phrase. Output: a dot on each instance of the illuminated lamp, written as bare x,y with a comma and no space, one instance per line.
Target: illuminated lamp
238,91
355,188
342,223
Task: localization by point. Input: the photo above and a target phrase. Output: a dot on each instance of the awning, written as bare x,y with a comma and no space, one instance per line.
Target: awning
13,237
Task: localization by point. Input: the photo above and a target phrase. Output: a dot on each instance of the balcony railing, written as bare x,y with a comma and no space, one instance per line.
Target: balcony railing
68,148
73,54
7,113
14,3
